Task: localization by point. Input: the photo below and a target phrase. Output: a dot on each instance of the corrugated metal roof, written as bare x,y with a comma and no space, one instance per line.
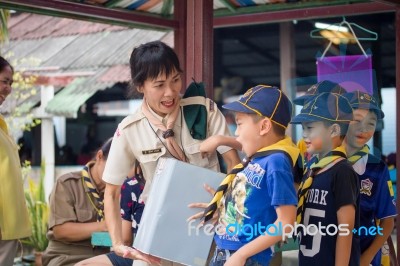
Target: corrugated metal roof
67,102
30,26
117,73
156,6
96,55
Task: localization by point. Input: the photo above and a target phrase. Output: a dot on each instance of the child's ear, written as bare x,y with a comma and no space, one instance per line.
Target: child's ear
266,126
335,130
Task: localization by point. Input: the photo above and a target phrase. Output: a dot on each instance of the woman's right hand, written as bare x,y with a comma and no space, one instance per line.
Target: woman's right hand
131,253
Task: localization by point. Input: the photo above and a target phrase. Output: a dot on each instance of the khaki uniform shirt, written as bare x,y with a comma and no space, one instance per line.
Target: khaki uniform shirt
135,138
69,202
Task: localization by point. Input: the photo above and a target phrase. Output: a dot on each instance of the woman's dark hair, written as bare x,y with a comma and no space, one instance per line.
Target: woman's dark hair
105,148
4,63
151,59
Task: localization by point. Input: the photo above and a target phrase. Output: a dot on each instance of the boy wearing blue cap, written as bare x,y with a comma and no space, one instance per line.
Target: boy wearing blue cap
329,192
320,87
376,193
259,191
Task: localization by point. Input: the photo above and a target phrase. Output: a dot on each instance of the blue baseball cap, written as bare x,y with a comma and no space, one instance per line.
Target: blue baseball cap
265,101
362,100
325,106
320,87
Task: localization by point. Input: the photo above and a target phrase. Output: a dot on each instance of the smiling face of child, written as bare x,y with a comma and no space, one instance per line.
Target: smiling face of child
361,129
317,137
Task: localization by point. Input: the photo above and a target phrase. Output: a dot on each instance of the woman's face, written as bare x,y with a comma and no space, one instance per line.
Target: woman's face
6,80
162,93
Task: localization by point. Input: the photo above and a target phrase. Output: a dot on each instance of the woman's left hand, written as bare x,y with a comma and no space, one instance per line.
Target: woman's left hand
131,253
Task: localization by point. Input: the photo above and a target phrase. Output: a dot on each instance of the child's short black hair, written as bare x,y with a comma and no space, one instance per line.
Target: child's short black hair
344,127
151,59
277,129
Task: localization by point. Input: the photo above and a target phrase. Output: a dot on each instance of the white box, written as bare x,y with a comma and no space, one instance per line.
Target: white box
163,230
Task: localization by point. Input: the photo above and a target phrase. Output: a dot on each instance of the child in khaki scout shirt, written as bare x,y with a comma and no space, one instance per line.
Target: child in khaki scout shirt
377,204
259,191
162,127
76,211
329,192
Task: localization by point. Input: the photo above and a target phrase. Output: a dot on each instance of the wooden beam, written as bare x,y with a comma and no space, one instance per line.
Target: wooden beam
199,44
90,12
397,32
302,14
389,2
180,37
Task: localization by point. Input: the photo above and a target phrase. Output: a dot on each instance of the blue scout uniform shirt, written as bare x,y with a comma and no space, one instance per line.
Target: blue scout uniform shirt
266,183
376,200
336,187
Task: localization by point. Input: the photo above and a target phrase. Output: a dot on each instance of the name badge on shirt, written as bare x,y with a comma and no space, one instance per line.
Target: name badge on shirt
151,151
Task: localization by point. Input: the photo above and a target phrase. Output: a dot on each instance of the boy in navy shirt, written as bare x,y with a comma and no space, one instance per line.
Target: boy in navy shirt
329,192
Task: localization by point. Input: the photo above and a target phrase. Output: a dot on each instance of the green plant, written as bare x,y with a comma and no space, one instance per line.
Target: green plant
38,211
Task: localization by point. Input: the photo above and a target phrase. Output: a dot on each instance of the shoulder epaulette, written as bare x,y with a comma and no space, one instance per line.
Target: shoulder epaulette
131,119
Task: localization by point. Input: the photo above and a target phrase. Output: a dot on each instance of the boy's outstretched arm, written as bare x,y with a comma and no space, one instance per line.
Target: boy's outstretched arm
213,142
345,215
368,255
286,215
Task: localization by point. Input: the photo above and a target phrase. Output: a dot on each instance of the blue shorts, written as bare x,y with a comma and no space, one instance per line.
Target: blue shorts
222,255
119,261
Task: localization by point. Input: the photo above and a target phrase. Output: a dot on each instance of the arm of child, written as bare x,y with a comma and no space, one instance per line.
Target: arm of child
345,215
367,256
210,145
72,232
286,215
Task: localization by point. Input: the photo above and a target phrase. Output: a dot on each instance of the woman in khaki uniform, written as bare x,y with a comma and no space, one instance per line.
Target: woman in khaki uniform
76,211
157,129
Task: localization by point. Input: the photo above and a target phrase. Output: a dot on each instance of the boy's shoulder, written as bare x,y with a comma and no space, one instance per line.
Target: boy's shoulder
275,160
342,169
375,161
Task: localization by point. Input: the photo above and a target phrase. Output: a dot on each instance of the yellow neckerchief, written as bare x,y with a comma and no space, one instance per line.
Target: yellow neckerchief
332,156
358,155
285,145
92,191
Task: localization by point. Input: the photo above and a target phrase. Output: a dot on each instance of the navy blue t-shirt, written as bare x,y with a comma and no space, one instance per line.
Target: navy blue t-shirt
330,190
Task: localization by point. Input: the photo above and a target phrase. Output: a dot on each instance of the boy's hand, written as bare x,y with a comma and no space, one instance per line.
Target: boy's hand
128,252
209,146
203,205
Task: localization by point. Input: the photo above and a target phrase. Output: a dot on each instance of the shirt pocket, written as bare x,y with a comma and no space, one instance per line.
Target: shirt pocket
148,162
194,155
84,216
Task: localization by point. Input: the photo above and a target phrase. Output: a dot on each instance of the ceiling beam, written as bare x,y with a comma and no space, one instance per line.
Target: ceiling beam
90,12
303,14
389,2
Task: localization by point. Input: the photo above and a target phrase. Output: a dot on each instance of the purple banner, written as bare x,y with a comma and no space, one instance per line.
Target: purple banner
352,72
